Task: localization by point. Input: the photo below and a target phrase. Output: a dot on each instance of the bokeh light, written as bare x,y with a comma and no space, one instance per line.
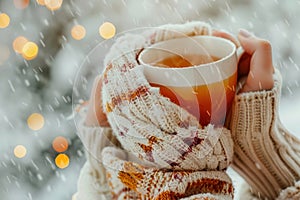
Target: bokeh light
41,2
30,50
60,144
21,4
35,121
19,43
62,161
53,4
4,20
78,32
20,151
4,54
107,30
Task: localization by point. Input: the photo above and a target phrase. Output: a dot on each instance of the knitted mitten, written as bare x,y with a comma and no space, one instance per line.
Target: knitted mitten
160,134
266,154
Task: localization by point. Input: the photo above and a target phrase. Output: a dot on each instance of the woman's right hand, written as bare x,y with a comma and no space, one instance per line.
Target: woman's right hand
256,63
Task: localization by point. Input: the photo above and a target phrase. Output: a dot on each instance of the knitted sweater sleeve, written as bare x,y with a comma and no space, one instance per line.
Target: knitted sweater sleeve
92,182
266,154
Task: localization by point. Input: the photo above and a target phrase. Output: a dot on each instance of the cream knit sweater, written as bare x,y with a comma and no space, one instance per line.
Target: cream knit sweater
266,155
261,162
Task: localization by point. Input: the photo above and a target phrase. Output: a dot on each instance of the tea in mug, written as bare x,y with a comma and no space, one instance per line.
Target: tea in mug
209,103
179,61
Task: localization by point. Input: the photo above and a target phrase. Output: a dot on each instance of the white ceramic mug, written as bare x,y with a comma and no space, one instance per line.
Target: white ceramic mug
205,90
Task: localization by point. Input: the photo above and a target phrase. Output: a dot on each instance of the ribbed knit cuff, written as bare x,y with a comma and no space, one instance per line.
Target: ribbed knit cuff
260,103
94,140
264,154
252,116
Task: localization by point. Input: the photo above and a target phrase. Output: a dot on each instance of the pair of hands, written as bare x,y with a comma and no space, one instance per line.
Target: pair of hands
255,65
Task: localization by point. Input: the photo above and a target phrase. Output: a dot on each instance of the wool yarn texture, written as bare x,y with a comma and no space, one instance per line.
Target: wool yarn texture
172,155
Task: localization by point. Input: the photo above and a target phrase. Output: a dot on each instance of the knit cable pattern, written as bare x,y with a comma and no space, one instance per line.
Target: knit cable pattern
164,138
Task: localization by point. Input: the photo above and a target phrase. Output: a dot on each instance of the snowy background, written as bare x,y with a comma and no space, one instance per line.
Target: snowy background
45,84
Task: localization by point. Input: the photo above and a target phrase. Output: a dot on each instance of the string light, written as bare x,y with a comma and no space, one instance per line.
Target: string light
21,4
4,20
78,32
20,151
53,4
30,50
19,43
62,161
60,144
107,30
35,121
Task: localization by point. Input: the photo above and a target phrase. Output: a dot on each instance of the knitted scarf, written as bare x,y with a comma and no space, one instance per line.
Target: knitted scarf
165,153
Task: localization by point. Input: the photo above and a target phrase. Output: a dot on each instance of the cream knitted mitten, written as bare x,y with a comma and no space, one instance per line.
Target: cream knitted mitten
266,154
174,157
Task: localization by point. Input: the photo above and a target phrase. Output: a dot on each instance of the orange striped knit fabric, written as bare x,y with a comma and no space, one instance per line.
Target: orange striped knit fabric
173,156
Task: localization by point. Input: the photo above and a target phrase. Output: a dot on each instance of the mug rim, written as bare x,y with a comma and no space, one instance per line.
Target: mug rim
205,65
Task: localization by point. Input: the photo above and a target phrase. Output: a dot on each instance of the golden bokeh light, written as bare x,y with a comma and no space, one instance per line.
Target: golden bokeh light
30,50
60,144
53,4
20,151
4,54
62,161
35,121
41,2
21,4
78,32
19,43
107,30
4,20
